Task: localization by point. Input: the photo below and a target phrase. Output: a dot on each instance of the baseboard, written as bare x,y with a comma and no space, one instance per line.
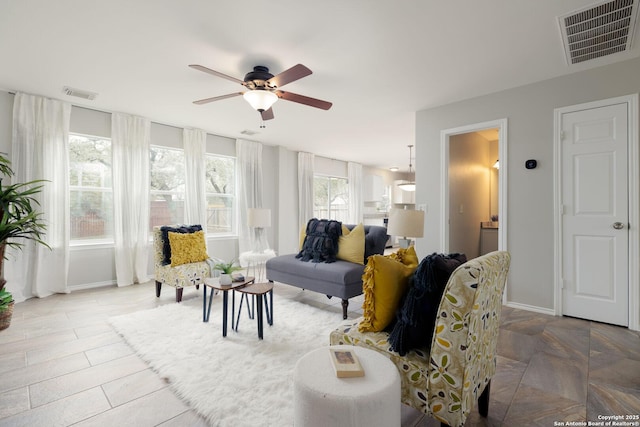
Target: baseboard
533,308
93,285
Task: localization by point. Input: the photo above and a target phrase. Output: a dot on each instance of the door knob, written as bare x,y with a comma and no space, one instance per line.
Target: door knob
618,225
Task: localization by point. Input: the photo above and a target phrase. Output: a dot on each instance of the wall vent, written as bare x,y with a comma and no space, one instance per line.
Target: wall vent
600,30
79,93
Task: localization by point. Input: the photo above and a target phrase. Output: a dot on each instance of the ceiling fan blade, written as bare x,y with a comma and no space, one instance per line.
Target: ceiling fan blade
287,76
267,115
215,73
216,98
301,99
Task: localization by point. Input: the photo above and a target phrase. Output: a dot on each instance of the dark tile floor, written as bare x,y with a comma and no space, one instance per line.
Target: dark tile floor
62,364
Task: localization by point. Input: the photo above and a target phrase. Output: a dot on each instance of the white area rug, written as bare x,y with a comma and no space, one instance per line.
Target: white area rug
234,381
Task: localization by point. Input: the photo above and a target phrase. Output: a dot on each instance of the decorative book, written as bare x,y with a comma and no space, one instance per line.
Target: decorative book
346,363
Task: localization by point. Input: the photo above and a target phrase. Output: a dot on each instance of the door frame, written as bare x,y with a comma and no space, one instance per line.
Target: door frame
634,201
445,136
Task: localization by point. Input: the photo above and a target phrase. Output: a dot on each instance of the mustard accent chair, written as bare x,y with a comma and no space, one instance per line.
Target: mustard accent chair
179,277
446,381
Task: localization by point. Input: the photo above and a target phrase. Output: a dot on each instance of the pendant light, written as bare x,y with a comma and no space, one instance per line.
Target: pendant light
411,185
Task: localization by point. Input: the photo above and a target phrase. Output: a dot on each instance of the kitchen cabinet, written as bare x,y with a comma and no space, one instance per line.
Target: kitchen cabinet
373,188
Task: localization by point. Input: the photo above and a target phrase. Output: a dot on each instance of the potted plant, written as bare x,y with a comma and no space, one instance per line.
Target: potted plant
19,219
226,269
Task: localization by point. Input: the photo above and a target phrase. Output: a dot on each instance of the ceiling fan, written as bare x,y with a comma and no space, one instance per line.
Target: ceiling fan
263,88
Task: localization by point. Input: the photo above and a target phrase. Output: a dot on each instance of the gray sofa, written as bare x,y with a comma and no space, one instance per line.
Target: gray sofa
340,279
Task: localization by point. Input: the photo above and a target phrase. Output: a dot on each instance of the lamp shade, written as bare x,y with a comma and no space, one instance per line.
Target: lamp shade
259,218
406,223
260,99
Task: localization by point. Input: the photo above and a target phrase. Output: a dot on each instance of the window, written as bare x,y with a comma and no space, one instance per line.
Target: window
90,188
167,186
221,194
330,198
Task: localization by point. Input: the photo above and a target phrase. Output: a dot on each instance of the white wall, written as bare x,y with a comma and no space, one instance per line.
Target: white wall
529,111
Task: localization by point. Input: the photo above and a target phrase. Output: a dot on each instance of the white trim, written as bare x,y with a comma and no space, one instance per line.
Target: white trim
445,135
533,308
634,202
84,286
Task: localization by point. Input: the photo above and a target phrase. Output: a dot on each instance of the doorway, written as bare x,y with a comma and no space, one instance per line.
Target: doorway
448,236
596,225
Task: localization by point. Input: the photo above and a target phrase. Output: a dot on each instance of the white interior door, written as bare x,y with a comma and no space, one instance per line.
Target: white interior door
595,206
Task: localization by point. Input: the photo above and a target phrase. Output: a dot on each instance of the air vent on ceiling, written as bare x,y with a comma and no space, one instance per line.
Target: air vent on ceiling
248,132
599,30
79,93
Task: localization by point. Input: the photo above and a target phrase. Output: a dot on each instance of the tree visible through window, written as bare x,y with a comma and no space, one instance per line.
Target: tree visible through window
330,197
90,188
167,176
221,194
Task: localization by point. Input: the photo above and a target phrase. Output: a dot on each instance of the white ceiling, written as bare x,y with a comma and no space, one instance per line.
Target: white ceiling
378,61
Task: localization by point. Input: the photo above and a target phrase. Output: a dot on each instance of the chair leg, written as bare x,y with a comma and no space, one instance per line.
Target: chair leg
483,401
158,286
345,304
179,294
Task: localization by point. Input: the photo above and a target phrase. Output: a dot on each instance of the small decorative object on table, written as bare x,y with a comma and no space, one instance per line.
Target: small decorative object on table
227,268
346,363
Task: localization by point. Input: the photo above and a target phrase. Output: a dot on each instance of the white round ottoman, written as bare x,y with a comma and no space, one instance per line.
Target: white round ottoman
321,399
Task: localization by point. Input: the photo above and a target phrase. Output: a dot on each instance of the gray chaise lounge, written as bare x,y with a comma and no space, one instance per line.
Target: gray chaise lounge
340,279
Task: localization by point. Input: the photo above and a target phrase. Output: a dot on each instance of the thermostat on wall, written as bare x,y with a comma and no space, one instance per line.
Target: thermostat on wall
530,164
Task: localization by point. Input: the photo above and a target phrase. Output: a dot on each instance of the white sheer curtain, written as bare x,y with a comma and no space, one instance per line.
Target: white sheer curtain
354,171
130,138
249,158
305,188
194,142
40,151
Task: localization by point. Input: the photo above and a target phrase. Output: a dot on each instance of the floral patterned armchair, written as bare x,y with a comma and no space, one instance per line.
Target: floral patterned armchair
180,276
446,381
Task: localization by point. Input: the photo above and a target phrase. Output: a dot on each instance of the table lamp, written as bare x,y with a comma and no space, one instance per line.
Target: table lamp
405,223
258,219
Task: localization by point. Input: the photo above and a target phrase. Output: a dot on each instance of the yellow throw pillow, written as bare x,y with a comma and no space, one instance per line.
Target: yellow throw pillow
187,247
351,244
384,282
303,235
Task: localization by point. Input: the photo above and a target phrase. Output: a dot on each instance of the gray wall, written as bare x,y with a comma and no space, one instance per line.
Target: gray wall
530,113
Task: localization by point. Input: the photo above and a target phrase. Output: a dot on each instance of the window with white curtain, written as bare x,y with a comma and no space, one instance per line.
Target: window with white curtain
90,189
221,194
167,186
330,197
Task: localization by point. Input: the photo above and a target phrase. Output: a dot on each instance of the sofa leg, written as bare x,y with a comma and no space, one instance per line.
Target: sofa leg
158,286
483,400
179,294
345,304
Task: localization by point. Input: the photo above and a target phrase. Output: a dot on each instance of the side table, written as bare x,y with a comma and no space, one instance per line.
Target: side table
214,284
321,399
255,262
258,290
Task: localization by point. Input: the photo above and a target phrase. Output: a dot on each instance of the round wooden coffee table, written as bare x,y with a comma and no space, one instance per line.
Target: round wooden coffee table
258,290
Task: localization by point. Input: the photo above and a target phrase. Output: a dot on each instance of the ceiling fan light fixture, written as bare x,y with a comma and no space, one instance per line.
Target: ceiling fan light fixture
260,99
